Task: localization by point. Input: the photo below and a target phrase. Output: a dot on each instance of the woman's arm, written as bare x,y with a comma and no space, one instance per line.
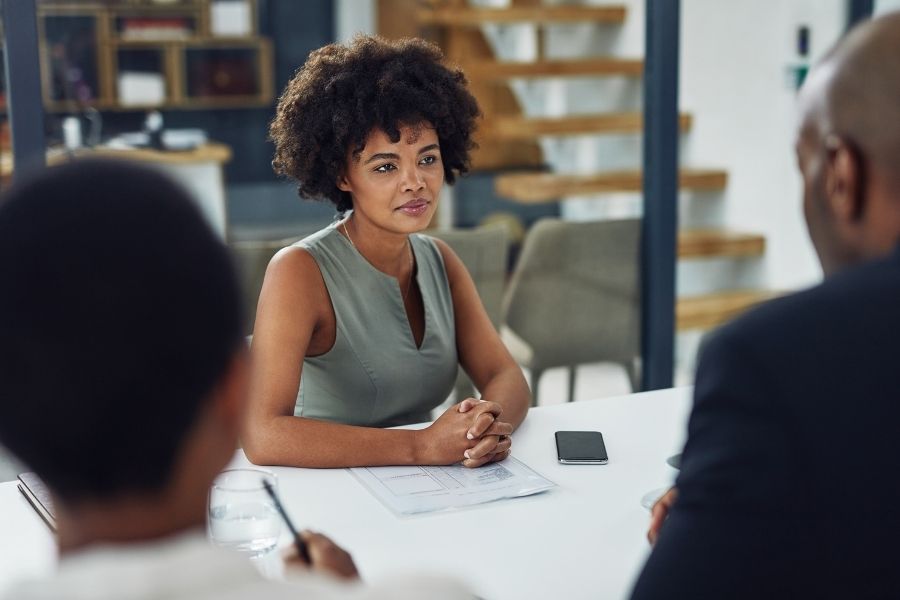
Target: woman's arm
295,317
481,352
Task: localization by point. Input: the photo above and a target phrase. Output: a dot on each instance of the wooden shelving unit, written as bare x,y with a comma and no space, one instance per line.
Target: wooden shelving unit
103,54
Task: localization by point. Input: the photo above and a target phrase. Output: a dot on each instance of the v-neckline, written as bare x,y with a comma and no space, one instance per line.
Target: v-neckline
399,295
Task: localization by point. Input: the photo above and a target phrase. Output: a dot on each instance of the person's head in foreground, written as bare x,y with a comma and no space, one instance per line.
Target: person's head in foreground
350,107
122,379
848,146
782,490
122,367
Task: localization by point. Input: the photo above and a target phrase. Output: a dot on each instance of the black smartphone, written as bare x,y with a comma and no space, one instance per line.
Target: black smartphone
581,448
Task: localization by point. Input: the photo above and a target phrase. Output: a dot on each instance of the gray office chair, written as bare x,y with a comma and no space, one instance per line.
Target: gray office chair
484,251
574,298
251,259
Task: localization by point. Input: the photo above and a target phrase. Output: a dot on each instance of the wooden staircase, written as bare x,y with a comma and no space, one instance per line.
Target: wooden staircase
521,128
508,138
491,70
530,188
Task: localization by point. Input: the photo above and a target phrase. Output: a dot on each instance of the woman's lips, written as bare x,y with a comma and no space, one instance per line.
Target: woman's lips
414,208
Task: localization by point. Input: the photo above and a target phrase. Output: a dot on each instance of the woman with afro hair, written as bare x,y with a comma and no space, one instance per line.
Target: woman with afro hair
362,326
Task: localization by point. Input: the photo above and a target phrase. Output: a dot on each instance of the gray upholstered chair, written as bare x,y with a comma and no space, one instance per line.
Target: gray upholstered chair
484,251
574,298
251,259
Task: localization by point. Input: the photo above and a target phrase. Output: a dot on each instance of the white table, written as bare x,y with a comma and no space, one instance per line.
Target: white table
584,539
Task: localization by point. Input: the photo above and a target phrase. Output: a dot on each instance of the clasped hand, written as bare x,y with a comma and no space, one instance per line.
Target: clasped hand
470,431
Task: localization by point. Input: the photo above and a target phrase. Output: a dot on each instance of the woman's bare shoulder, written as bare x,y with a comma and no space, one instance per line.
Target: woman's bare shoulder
293,274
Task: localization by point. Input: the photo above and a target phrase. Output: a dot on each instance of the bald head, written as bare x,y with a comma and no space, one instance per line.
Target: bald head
854,94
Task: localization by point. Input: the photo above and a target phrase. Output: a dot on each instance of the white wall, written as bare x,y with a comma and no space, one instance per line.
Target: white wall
883,6
735,56
353,16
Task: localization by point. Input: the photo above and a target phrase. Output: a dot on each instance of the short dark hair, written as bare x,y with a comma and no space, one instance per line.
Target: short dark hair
118,316
343,92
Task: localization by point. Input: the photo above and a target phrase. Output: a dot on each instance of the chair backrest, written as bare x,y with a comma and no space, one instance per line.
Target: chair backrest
574,296
485,252
251,259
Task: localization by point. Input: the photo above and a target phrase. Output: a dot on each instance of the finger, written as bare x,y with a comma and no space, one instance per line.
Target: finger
468,404
503,445
499,428
665,502
484,446
291,556
656,521
489,458
486,406
482,422
658,514
498,456
474,463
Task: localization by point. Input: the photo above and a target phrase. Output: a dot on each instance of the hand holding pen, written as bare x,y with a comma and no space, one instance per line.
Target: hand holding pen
314,549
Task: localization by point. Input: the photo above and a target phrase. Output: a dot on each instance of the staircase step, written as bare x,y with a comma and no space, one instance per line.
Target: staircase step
523,128
708,243
534,188
473,16
711,310
488,70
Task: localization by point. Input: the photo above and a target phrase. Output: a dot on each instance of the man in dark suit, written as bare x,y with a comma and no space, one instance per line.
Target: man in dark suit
789,484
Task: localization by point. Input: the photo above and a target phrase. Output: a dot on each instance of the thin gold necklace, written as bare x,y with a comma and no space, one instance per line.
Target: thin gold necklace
411,259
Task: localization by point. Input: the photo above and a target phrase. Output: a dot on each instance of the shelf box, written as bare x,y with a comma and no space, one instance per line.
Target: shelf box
157,27
141,79
225,72
231,18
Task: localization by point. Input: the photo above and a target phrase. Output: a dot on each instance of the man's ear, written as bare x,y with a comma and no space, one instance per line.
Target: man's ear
844,181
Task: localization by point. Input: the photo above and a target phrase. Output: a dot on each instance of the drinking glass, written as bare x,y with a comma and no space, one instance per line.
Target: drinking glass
242,516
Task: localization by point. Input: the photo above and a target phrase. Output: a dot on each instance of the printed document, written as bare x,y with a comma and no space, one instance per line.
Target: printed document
413,490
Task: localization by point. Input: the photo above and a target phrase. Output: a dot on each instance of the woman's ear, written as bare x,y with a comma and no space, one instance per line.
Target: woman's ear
343,184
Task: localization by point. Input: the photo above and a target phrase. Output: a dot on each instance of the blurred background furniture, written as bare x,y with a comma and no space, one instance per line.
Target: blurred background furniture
251,257
574,298
484,251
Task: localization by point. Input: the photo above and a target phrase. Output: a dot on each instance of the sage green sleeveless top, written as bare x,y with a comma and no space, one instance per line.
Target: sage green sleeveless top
374,375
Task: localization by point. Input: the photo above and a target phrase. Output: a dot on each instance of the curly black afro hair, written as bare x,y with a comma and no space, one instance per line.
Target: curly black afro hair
343,92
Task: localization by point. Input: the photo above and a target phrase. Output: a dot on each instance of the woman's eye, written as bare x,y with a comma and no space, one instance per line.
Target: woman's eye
429,160
385,168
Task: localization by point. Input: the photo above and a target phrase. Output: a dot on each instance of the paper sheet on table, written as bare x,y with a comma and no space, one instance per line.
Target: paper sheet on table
412,490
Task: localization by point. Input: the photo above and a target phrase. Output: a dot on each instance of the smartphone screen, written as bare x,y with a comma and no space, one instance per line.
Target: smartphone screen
581,448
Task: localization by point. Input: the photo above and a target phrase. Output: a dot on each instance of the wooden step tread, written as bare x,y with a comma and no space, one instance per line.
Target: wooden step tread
711,310
707,243
523,128
533,188
473,16
602,66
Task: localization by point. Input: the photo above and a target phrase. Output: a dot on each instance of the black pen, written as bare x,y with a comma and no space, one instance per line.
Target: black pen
302,550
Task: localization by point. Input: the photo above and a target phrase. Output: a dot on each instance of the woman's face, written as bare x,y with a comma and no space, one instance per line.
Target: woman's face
395,185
